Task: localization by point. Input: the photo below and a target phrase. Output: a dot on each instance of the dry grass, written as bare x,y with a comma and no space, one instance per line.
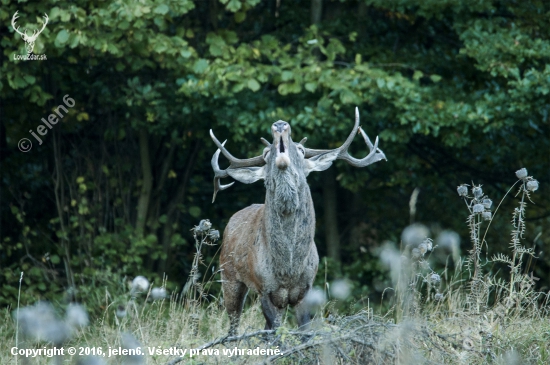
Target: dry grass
462,317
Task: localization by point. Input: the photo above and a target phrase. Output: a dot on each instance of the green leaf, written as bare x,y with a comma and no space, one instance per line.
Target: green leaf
55,259
435,78
311,86
195,212
253,85
62,37
240,16
234,5
161,9
200,66
417,75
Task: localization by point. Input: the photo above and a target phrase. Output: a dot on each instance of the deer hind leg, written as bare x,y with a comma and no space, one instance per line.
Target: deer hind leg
271,313
234,294
303,315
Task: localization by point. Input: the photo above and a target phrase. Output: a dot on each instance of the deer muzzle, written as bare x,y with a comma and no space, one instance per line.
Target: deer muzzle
281,132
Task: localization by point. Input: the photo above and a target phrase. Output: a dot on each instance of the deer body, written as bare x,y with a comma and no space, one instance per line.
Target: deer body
270,247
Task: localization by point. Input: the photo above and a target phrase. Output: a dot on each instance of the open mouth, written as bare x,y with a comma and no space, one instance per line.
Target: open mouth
282,160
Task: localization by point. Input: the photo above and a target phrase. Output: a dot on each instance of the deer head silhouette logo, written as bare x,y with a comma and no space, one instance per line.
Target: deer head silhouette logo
29,39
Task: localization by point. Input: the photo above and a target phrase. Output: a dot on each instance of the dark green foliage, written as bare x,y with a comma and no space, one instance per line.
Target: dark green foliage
456,90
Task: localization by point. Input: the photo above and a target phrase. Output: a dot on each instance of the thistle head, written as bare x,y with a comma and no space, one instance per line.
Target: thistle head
340,289
158,293
435,279
462,190
204,226
76,316
478,192
521,173
532,185
478,208
140,284
214,235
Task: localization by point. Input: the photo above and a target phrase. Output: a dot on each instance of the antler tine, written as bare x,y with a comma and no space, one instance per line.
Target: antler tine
265,141
236,162
45,22
13,19
218,174
313,152
374,155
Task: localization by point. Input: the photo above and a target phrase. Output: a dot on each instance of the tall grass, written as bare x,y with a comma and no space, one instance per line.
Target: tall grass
464,314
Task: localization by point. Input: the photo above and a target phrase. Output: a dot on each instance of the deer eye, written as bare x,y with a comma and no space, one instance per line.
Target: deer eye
301,149
266,154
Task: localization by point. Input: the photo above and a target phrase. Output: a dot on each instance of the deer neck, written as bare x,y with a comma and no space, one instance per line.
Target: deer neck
289,221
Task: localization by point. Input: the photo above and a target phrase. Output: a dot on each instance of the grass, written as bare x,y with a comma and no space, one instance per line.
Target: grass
460,316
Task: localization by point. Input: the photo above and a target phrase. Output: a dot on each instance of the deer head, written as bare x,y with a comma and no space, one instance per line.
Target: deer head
283,154
29,39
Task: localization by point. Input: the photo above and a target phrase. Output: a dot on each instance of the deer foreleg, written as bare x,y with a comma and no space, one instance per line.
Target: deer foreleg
234,294
271,313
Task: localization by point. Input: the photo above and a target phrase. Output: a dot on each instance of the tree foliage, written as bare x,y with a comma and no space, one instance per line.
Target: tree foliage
456,90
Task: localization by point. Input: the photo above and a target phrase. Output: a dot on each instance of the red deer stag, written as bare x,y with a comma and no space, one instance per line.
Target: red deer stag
269,247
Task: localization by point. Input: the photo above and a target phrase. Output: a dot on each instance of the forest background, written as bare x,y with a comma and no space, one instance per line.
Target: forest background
457,91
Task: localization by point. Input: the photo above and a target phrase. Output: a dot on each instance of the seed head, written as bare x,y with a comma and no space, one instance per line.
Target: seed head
76,316
121,311
340,289
415,253
204,225
486,216
532,185
414,234
435,279
479,208
422,248
448,240
487,203
129,342
158,293
462,190
521,173
478,192
315,298
140,284
438,297
215,235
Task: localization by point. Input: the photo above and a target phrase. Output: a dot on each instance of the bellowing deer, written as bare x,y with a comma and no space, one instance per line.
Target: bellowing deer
269,247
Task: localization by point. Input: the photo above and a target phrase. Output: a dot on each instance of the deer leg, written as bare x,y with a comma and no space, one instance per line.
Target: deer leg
303,315
234,294
271,313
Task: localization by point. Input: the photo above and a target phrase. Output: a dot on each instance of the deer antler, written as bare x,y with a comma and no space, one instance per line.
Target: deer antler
218,174
374,155
44,25
13,19
235,163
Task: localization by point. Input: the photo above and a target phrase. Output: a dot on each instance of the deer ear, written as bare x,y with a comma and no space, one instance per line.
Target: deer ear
320,162
247,175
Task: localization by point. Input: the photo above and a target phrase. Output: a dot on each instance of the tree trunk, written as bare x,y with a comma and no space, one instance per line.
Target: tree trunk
316,11
147,183
172,210
331,223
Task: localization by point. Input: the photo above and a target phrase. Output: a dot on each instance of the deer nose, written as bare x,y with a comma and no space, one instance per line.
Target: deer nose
280,126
